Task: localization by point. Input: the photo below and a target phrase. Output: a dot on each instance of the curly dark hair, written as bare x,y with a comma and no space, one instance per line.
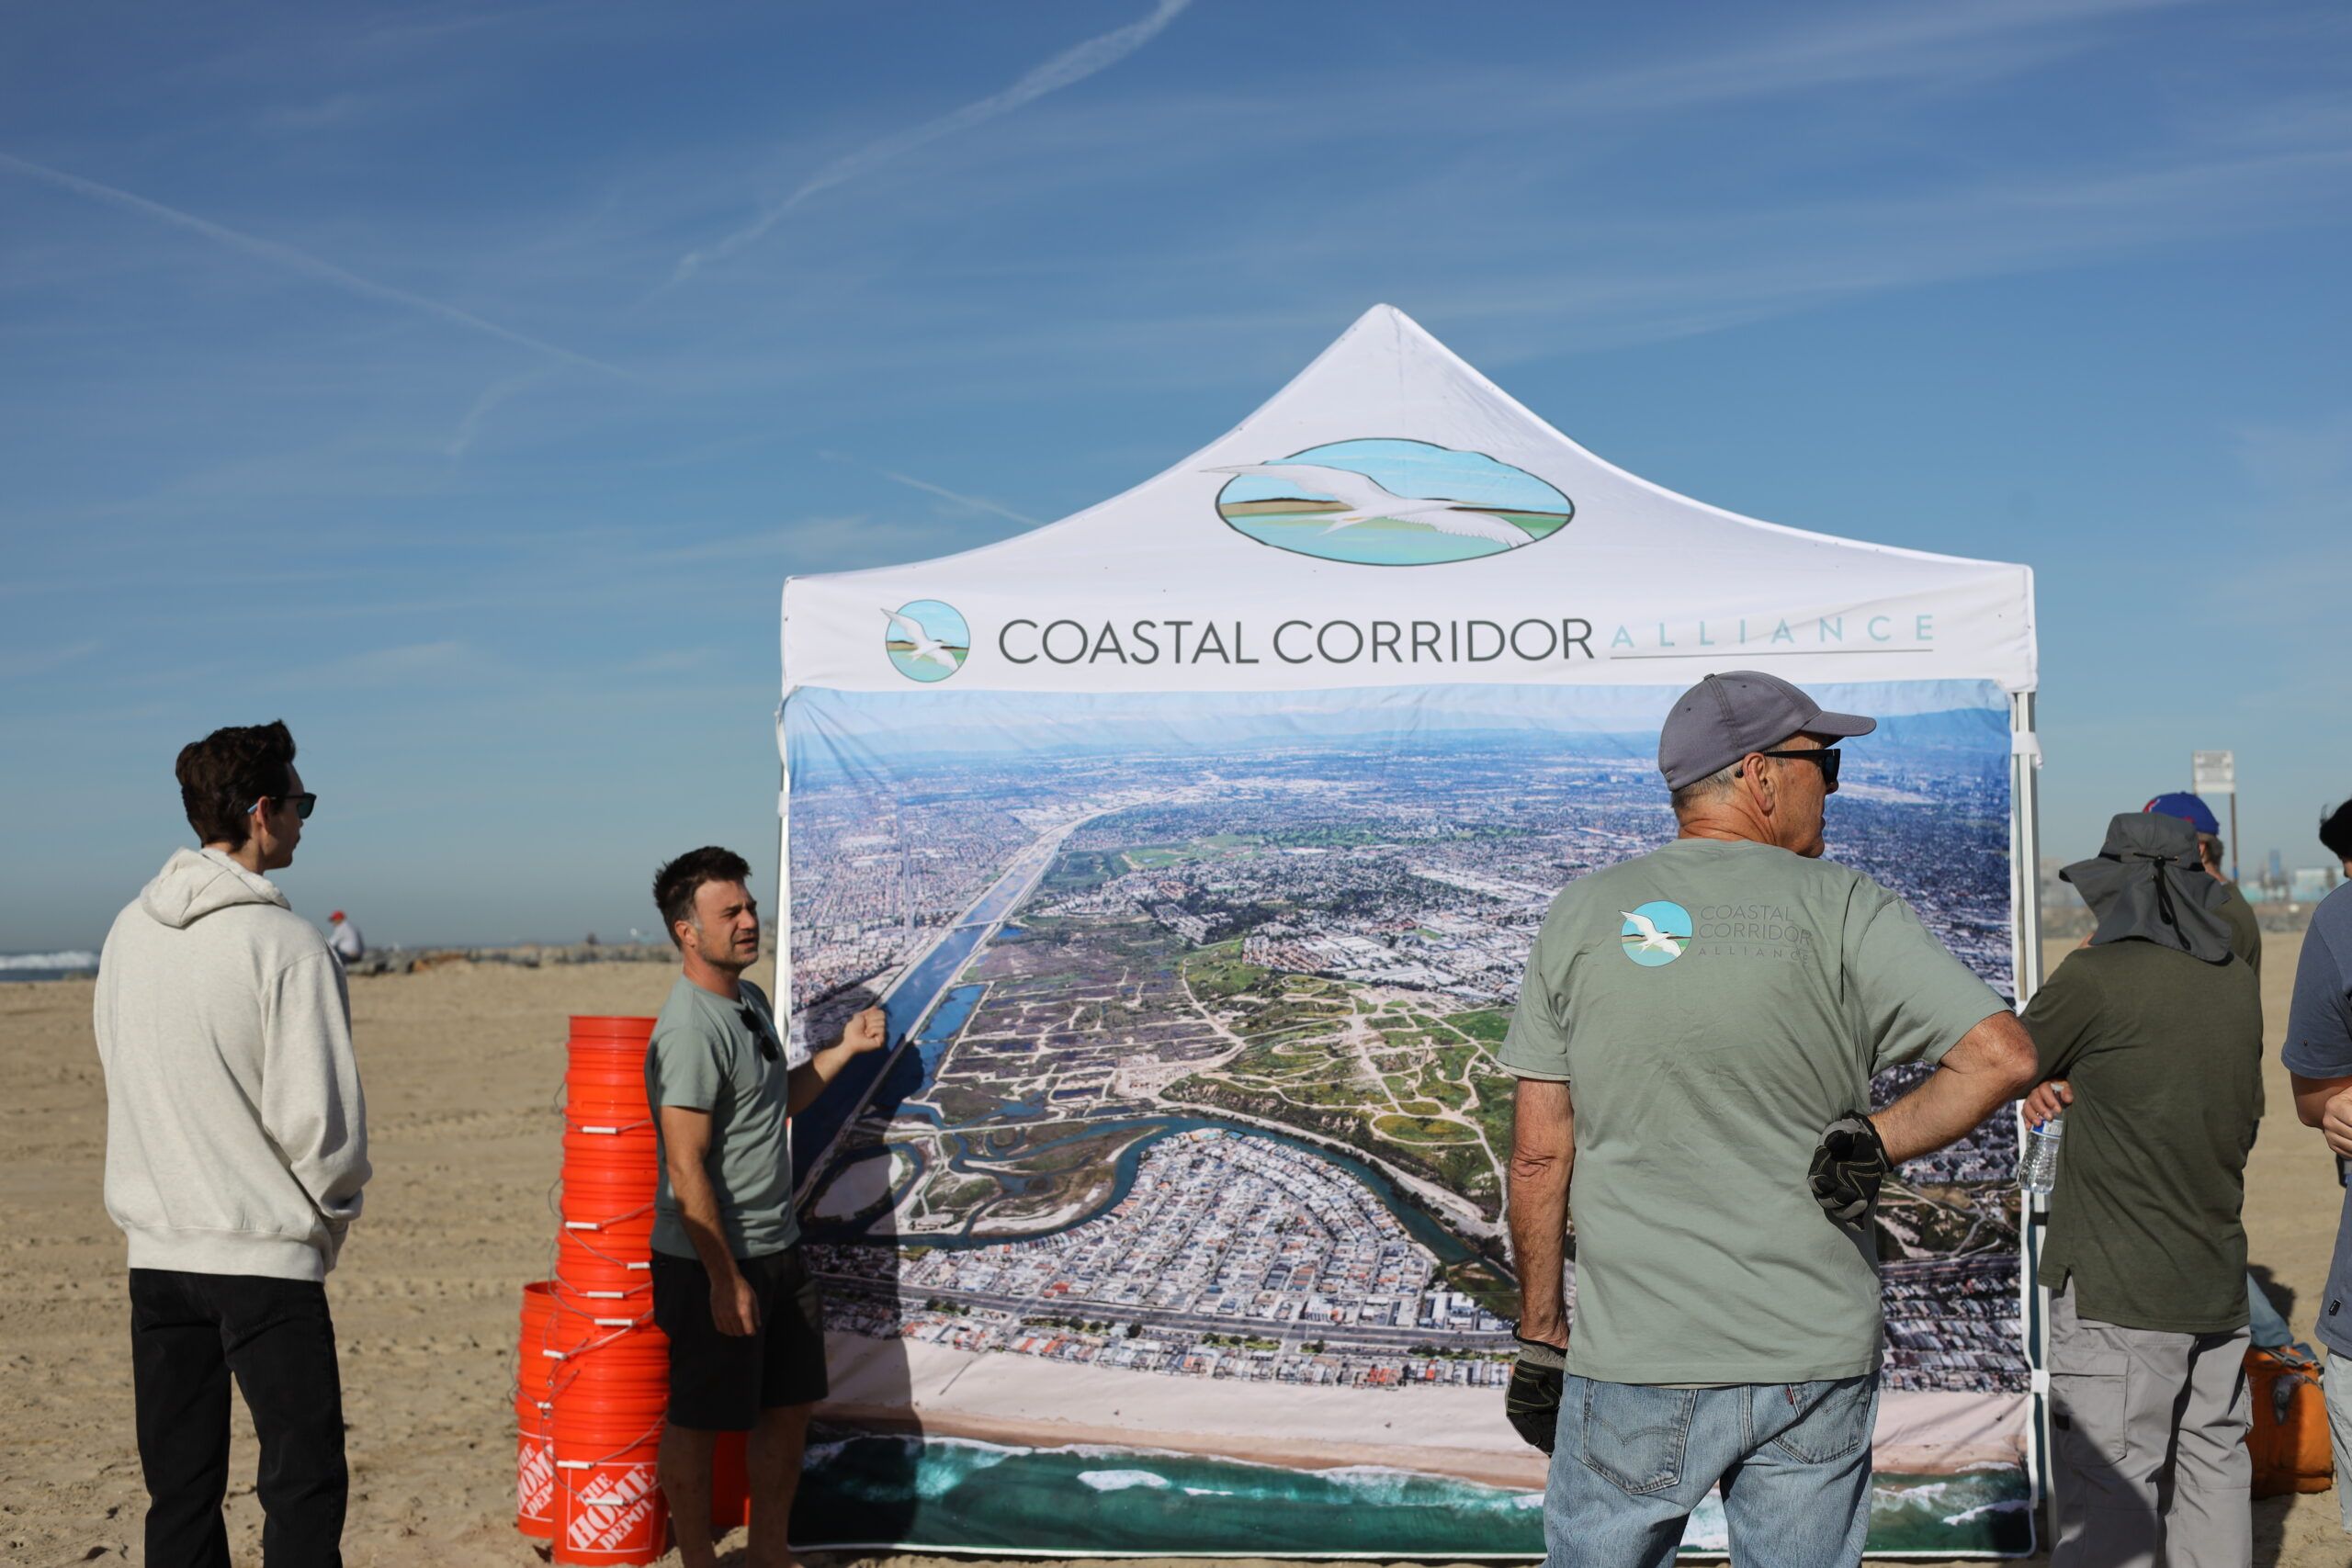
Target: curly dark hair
2336,831
222,774
675,885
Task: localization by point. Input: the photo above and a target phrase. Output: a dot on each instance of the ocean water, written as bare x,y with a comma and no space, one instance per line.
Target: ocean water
943,1494
46,965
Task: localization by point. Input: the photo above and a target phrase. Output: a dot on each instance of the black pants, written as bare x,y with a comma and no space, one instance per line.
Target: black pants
189,1332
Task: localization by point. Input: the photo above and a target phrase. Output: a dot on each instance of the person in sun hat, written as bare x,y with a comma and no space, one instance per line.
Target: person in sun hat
1694,1043
2150,1036
2246,931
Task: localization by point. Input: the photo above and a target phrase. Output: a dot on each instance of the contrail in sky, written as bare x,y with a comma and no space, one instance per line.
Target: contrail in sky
976,503
301,262
1071,66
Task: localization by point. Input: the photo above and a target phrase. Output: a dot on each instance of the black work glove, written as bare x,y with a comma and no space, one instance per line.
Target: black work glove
1847,1167
1532,1401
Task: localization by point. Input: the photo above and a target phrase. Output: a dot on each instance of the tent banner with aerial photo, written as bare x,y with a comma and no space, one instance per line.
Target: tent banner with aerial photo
1193,846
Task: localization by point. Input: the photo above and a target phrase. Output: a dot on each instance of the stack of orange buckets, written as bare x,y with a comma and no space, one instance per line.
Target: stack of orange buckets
593,1370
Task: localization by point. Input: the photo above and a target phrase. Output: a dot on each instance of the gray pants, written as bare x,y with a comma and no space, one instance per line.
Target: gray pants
2150,1459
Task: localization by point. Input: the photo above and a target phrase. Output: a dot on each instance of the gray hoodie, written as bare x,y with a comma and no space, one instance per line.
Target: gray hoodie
237,1137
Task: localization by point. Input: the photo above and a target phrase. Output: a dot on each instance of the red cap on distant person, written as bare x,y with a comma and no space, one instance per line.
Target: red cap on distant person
336,916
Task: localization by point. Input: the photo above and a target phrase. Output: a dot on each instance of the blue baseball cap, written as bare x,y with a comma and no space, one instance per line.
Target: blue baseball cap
2189,808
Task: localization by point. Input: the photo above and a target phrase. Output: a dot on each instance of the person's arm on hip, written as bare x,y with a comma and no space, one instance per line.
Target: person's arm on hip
685,1153
1991,1065
866,1031
1543,1157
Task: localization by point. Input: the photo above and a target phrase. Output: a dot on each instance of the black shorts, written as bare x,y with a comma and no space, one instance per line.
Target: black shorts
720,1382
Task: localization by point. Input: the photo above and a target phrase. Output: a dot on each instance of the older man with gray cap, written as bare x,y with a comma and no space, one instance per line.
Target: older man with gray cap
1694,1043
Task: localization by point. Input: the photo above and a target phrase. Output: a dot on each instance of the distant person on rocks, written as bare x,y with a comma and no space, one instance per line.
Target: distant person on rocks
2246,931
236,1149
1694,1045
730,1287
2319,1056
345,939
2150,1039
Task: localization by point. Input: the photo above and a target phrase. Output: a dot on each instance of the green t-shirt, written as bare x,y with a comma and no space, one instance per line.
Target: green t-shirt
1715,1005
2164,1055
706,1057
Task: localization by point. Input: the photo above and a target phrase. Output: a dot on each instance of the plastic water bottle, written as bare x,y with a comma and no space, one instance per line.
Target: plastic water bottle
2038,1166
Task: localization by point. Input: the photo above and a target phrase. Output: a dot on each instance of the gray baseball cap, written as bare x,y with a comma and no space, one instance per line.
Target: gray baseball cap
1725,717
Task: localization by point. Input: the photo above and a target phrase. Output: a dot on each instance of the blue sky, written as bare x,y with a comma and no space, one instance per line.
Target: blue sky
460,381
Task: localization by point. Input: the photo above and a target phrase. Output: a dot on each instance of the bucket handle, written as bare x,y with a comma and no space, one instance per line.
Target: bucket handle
572,1126
636,1266
637,1441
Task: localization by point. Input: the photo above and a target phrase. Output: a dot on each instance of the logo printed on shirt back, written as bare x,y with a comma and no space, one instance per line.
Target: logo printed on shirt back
1656,933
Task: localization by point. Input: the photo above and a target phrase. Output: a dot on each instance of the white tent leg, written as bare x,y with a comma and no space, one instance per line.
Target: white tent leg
783,1000
2033,1298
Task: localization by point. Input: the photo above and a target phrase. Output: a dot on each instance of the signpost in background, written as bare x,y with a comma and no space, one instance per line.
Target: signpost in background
2216,773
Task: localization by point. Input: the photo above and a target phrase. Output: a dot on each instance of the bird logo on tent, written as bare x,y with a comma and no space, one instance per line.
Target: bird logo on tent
1656,933
926,640
1390,503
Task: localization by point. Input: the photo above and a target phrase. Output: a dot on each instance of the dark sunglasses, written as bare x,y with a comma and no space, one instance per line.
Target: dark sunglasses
761,1033
1826,756
303,805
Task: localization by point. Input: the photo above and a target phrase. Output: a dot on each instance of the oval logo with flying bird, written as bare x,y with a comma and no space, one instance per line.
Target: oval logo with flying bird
1387,502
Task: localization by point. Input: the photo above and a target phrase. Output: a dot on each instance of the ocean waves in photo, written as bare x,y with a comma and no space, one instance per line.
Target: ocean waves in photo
943,1494
47,965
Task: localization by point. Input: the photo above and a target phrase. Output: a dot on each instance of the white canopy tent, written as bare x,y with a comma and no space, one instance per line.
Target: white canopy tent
1393,518
1640,586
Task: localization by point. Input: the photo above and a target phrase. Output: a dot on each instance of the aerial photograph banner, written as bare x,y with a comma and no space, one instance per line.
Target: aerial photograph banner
1175,1222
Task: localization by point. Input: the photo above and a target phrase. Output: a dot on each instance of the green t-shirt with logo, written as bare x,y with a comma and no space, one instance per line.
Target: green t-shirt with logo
706,1056
1714,1005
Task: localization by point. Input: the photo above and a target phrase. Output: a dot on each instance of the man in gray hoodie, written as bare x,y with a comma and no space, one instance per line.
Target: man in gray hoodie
236,1148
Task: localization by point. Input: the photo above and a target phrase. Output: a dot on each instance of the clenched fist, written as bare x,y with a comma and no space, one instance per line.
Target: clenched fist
869,1030
2335,1121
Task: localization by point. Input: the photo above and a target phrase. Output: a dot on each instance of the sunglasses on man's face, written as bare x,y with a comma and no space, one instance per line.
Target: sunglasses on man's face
1826,755
303,805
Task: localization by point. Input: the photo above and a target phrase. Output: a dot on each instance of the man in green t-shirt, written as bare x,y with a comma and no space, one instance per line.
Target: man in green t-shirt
1694,1043
731,1288
2152,1037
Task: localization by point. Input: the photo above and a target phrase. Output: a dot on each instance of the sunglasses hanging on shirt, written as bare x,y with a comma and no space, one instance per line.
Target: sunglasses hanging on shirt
754,1021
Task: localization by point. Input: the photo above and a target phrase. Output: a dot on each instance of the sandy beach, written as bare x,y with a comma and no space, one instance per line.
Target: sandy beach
462,1065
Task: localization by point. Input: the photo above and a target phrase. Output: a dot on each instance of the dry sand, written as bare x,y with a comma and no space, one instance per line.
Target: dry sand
462,1065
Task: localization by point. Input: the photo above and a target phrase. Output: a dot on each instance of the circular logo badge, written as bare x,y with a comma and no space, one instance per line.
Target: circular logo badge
926,640
1656,933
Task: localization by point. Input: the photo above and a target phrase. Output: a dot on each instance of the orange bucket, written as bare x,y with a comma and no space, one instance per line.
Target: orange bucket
535,1467
608,1502
534,1415
599,1264
589,1139
611,1351
611,1394
592,1027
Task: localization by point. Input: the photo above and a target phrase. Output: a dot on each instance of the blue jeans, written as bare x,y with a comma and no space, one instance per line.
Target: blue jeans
1633,1459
